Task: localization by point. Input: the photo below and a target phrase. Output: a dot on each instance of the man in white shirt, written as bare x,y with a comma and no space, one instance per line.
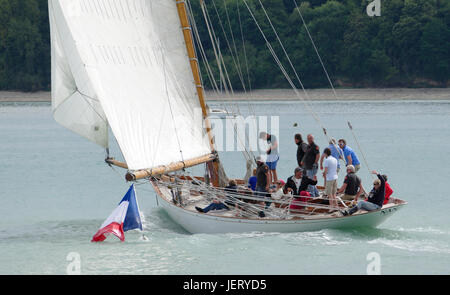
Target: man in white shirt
330,174
272,156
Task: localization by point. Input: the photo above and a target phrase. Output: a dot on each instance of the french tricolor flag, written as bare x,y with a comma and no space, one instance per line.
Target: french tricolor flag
124,217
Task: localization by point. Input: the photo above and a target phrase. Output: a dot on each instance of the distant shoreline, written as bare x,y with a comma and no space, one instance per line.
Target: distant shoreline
283,95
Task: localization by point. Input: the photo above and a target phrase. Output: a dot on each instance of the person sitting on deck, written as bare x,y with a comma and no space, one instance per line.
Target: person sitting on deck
252,181
297,203
244,204
389,190
375,199
278,194
215,205
233,189
218,205
352,186
298,182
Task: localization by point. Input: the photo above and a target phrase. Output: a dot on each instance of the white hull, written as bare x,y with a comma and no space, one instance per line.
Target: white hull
205,223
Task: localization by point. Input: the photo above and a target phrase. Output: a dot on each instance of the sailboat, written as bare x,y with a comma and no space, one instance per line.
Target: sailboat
129,69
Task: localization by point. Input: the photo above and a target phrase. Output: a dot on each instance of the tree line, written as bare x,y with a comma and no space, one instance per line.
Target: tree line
408,45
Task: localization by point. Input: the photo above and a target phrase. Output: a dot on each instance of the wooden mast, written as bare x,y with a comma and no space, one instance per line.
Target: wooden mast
186,27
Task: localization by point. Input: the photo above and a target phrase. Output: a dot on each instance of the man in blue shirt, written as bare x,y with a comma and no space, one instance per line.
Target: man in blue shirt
349,154
252,181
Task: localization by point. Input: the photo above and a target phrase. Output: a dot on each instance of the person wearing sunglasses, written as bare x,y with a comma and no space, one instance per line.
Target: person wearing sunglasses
374,200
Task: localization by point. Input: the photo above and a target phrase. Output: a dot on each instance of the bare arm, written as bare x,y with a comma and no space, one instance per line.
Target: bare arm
360,191
342,189
321,161
302,162
273,146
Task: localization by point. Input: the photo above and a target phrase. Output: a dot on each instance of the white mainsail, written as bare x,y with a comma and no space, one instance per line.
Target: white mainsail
125,63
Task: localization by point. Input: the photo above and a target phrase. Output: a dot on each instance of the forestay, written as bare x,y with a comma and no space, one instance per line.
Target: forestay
125,63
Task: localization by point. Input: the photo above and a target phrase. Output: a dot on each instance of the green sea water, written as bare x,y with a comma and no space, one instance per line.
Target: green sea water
56,191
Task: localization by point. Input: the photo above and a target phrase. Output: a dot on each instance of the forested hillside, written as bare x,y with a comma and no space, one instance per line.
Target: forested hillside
407,46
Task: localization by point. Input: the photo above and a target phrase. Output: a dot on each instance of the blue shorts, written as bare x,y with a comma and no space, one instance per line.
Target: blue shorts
273,165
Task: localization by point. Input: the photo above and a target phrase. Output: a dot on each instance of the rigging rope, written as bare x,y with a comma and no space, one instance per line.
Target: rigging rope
202,50
220,62
239,69
213,38
328,77
236,64
236,197
243,47
316,117
283,70
360,149
315,48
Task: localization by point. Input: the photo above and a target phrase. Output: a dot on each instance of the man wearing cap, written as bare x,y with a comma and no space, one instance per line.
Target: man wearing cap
352,186
262,175
375,198
298,182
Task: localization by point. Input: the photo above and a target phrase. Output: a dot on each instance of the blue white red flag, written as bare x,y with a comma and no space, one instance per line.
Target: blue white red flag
124,217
